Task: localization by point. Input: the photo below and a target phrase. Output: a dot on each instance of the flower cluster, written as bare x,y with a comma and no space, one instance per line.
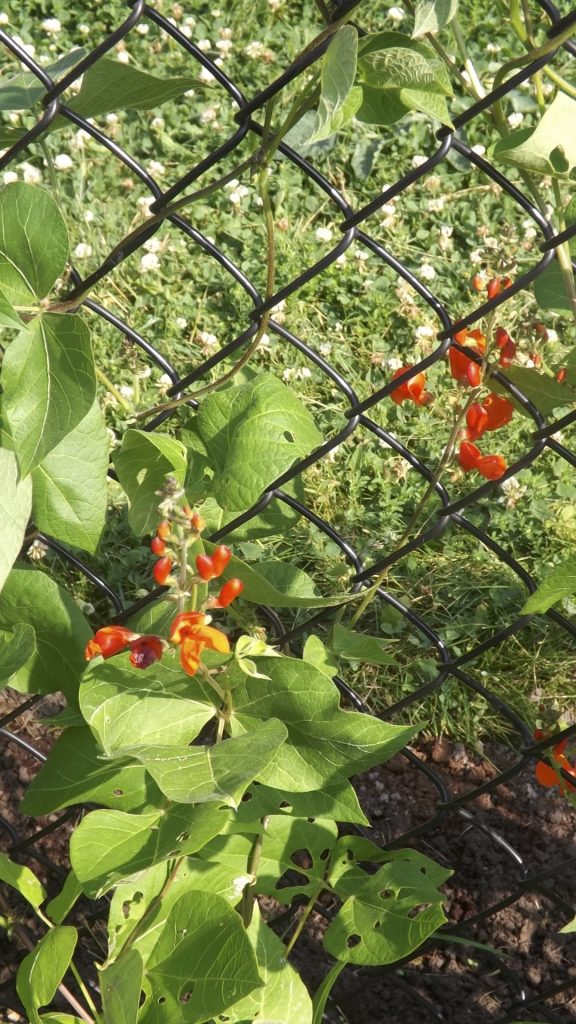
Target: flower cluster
549,775
191,631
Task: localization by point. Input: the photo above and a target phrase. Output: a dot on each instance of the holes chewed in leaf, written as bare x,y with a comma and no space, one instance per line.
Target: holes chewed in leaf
302,859
117,792
187,995
415,911
325,854
385,894
353,940
288,436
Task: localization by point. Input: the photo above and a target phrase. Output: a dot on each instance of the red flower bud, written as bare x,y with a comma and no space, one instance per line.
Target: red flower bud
229,592
220,558
412,390
476,421
506,282
164,529
494,287
478,283
108,641
499,411
561,375
538,735
468,456
157,546
507,353
145,651
205,567
161,570
502,336
197,522
491,466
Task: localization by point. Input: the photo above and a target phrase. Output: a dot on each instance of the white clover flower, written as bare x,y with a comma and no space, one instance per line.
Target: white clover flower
81,137
209,115
157,122
325,348
493,47
126,391
304,373
27,47
152,244
515,119
204,45
417,160
145,202
362,256
82,250
224,46
255,49
436,205
427,272
123,56
424,331
206,76
396,14
208,339
551,335
341,259
51,25
190,21
31,174
274,5
186,31
143,29
9,176
164,381
155,167
264,341
389,209
225,33
149,261
112,118
479,150
288,373
62,162
324,234
4,19
476,256
181,323
393,364
37,550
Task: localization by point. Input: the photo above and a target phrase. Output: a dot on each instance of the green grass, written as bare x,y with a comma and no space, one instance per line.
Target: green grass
357,314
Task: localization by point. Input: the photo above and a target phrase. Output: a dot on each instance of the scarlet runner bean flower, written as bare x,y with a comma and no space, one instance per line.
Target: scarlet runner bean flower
111,640
490,466
229,592
209,567
413,390
463,369
161,570
157,546
145,651
190,630
494,412
549,776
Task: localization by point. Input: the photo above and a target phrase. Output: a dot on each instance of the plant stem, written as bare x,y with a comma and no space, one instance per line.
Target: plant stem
84,990
183,562
112,389
302,920
476,84
322,993
247,901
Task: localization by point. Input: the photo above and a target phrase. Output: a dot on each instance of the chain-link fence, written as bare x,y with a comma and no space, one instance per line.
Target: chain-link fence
455,813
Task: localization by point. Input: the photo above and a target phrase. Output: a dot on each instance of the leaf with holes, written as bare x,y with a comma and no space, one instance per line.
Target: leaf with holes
121,985
23,880
17,646
15,507
40,973
433,15
338,802
202,963
284,998
49,385
67,502
559,583
33,243
325,744
142,464
392,913
232,423
546,149
339,98
61,631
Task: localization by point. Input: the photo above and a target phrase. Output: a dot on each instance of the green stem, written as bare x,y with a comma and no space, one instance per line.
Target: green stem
322,993
476,84
183,538
561,82
113,389
84,990
303,919
247,901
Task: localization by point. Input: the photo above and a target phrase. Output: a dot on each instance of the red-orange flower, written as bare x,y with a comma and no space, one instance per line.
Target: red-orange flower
550,776
108,641
468,456
491,466
191,632
145,651
412,390
463,369
499,410
476,421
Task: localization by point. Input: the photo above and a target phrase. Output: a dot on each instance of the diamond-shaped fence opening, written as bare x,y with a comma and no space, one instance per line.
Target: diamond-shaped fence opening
473,826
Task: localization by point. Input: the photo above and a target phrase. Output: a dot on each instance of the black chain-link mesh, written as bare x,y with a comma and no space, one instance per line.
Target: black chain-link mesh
356,225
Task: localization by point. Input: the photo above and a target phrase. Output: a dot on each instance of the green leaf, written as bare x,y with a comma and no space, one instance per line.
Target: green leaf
365,153
317,654
539,149
22,91
338,801
68,502
338,98
570,927
433,15
111,86
16,647
75,773
561,582
283,999
23,880
219,773
59,1018
202,964
542,389
381,106
33,243
109,846
8,316
15,507
409,71
59,908
42,970
142,464
121,985
233,423
392,913
325,744
49,385
61,632
549,290
359,647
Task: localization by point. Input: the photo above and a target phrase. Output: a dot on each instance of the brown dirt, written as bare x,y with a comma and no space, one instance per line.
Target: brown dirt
449,983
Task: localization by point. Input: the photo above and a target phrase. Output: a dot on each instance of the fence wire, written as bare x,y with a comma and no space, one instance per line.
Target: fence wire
359,226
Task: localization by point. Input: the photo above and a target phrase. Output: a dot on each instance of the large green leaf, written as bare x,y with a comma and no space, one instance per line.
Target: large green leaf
546,149
542,389
142,464
549,290
284,998
59,907
325,744
23,880
433,15
338,802
75,773
8,315
16,647
109,846
15,507
68,502
392,913
253,432
33,243
221,773
22,91
40,973
408,71
352,646
61,632
381,106
338,98
49,385
110,86
121,985
202,964
559,583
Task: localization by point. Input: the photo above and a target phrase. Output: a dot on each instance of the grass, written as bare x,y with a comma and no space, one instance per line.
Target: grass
356,314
